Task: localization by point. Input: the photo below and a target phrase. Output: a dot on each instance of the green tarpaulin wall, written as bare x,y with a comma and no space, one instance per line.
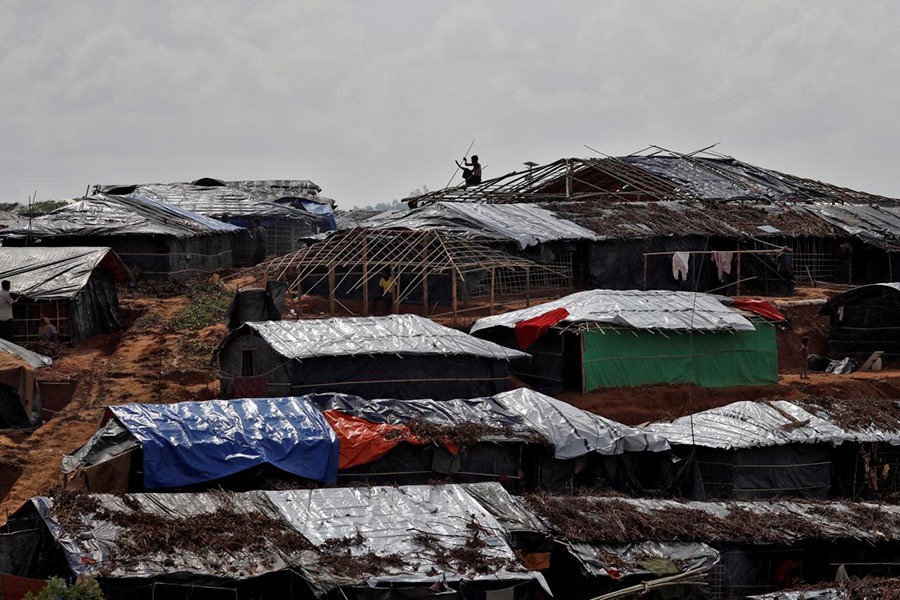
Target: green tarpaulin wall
632,357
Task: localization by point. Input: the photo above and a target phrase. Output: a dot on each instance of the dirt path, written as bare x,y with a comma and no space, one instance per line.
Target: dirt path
144,364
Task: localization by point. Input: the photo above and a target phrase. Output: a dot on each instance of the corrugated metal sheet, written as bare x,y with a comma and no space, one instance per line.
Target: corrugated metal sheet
394,334
526,224
387,518
654,309
102,215
760,424
44,273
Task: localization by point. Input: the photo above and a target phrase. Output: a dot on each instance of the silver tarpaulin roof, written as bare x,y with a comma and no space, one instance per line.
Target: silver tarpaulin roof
874,224
119,216
32,358
575,432
220,201
571,432
526,224
45,273
394,334
654,309
387,519
749,424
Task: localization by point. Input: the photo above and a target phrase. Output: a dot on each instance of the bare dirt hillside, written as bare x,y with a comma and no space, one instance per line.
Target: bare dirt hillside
161,356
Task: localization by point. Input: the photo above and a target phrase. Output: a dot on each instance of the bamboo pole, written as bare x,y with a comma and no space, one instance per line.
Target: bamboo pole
365,276
738,289
425,293
492,290
331,298
527,287
646,256
453,293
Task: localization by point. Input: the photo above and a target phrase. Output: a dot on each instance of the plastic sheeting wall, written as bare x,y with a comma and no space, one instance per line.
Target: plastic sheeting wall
627,358
405,377
796,470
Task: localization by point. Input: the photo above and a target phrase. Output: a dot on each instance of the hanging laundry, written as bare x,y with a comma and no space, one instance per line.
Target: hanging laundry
722,258
680,265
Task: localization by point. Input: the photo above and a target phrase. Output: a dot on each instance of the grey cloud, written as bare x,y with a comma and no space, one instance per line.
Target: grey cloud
372,100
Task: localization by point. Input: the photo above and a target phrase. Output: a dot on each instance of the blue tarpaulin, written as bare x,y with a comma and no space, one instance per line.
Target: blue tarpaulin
323,210
196,442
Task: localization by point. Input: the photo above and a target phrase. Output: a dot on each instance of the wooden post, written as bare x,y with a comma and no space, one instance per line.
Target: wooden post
395,295
527,286
453,293
425,293
568,178
645,271
331,291
492,290
738,290
365,276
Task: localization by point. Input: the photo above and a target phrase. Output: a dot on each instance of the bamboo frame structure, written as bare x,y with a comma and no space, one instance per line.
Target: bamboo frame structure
358,257
613,178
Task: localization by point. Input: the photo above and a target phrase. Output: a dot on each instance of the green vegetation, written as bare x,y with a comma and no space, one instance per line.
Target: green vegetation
44,207
84,588
209,302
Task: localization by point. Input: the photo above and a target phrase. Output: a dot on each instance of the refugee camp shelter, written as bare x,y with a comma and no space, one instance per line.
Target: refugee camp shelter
753,450
521,229
74,287
155,240
302,194
20,395
236,205
398,356
649,205
523,439
607,339
761,546
215,443
439,272
378,543
864,320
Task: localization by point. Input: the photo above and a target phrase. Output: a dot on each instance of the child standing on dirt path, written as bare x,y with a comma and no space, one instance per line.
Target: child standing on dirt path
804,357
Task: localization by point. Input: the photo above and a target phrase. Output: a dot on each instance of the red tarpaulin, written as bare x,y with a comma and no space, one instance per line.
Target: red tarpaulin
528,331
759,307
362,441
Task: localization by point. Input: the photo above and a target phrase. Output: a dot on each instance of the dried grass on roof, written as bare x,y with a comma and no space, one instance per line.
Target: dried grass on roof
616,521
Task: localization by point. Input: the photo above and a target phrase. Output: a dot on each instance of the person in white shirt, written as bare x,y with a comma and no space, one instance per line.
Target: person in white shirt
7,329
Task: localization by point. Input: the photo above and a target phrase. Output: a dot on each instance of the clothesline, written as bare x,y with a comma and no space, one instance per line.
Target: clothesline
671,252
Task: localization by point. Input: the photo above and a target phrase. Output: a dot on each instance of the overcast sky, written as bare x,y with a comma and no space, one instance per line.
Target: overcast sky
374,99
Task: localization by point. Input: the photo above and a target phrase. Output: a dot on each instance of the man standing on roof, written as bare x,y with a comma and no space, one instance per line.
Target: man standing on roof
471,176
7,326
260,242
